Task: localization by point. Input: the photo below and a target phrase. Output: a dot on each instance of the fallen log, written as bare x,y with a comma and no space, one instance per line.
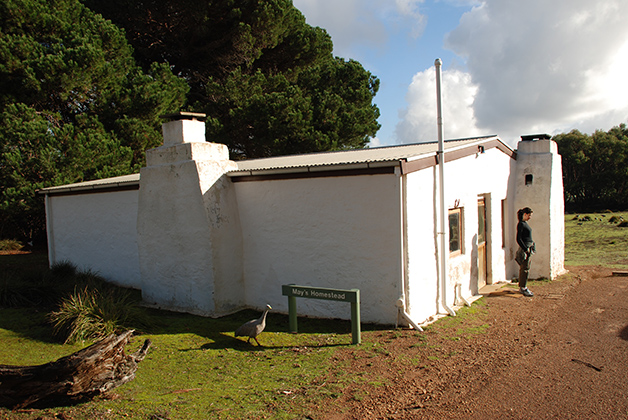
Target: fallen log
80,376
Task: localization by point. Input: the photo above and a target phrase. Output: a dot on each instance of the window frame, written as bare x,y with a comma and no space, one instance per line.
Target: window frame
457,211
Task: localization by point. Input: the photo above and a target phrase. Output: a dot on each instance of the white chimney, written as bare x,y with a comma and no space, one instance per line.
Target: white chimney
183,127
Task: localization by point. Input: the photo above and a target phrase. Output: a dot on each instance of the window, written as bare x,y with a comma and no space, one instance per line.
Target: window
481,221
455,231
529,178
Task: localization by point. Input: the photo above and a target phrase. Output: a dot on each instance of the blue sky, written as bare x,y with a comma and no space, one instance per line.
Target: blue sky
509,67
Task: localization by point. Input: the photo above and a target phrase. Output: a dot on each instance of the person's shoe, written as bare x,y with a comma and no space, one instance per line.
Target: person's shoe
526,292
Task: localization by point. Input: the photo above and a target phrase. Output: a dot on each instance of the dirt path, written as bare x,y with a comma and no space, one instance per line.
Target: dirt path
562,354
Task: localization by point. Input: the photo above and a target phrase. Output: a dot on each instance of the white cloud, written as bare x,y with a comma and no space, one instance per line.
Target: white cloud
355,24
524,66
375,142
546,66
419,119
410,11
348,22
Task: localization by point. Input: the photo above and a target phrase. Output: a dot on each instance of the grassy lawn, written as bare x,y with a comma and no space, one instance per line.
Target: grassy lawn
596,241
197,369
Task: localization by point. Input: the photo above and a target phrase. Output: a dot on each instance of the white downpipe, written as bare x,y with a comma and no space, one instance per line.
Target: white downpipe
459,297
441,190
401,303
401,312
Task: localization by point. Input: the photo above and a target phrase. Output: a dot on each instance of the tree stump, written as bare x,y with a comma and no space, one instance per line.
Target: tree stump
83,375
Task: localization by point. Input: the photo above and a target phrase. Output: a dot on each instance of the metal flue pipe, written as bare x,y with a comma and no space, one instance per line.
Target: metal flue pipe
442,237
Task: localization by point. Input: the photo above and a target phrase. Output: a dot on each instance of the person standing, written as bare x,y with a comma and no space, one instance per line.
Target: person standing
526,249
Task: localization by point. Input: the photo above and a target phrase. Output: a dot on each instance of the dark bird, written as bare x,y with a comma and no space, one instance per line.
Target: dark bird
253,328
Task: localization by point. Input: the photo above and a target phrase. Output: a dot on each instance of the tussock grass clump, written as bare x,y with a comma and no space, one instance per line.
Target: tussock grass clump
63,269
91,314
93,308
81,305
10,245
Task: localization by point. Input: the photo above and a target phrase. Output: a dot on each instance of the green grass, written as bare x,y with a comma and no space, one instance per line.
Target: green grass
197,369
596,242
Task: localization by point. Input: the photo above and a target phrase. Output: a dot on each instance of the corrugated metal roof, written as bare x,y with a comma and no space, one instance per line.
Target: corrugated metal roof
345,159
352,157
118,181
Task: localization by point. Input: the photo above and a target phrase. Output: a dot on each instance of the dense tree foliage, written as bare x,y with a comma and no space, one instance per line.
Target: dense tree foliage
80,98
595,169
267,81
74,105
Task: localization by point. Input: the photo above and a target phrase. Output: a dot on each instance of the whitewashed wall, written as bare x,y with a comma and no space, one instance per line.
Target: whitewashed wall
466,179
488,175
338,232
97,232
421,250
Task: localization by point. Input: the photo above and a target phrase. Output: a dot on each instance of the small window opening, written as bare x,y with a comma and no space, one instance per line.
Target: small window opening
529,179
455,231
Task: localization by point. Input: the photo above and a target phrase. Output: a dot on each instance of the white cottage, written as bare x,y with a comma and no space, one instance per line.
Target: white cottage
199,233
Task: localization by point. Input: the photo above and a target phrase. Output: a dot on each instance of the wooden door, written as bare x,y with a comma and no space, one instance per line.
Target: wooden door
481,243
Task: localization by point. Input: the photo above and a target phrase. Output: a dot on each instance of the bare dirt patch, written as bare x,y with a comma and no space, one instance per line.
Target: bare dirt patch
561,354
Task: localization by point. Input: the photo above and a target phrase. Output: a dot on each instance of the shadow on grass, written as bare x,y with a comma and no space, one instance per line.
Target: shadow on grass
241,345
28,323
219,331
30,320
313,332
25,262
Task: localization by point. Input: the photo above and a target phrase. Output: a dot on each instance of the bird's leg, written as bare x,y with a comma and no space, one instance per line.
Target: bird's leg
255,338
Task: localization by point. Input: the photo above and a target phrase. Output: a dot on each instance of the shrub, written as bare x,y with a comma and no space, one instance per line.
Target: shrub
10,245
82,305
89,313
63,269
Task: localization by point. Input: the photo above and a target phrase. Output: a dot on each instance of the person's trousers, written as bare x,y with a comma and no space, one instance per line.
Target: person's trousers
524,267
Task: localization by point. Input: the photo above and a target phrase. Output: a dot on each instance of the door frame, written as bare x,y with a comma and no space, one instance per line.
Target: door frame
483,242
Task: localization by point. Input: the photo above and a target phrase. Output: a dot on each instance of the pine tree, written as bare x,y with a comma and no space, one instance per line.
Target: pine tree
268,81
74,105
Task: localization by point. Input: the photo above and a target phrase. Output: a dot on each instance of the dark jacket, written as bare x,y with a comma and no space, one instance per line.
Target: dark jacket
524,236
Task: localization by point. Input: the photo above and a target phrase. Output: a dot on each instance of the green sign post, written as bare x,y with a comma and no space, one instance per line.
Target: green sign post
352,296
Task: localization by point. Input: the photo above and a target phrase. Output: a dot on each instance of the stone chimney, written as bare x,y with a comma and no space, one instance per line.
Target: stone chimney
189,236
183,127
538,184
184,140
